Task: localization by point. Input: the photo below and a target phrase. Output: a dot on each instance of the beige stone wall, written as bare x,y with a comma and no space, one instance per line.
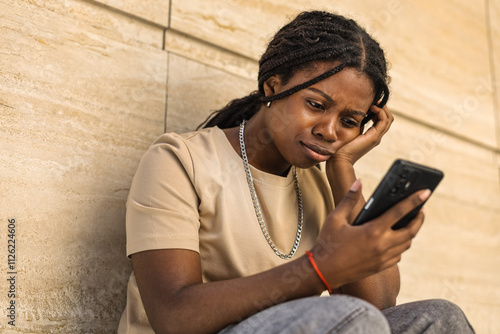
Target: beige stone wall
86,86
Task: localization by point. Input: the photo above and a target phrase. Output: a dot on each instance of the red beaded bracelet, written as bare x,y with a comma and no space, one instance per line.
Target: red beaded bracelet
320,275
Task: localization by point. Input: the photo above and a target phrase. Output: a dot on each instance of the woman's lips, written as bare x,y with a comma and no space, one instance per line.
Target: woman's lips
316,152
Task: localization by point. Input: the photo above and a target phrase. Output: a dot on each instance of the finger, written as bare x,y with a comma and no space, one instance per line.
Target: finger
352,197
389,114
400,246
382,113
381,122
410,231
375,133
398,211
383,119
400,241
392,262
393,256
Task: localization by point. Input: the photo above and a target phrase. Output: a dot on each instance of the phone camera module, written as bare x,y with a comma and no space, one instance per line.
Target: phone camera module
405,172
400,186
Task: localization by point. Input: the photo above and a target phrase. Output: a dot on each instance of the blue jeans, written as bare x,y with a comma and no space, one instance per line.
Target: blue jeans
345,314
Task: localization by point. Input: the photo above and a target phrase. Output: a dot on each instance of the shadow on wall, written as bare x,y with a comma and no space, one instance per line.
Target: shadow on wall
102,295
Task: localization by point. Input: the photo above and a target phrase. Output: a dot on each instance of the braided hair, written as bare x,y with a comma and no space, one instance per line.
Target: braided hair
309,38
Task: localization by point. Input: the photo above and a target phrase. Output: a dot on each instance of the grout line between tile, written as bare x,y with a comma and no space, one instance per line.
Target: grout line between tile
124,13
494,82
166,93
169,14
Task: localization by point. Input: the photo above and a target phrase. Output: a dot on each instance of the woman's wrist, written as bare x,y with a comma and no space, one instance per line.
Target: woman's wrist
339,167
318,271
306,273
341,175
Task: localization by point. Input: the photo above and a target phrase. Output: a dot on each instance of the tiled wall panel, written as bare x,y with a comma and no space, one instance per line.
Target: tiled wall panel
154,11
494,34
440,67
82,95
195,90
184,45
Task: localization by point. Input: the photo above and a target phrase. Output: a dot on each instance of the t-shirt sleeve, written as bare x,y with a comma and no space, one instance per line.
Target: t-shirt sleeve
162,206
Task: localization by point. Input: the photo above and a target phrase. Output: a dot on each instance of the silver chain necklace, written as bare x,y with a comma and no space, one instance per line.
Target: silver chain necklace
256,205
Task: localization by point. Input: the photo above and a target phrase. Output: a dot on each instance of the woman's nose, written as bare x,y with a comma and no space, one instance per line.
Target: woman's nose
325,129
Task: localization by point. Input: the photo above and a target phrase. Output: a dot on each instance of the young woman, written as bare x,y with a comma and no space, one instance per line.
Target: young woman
231,228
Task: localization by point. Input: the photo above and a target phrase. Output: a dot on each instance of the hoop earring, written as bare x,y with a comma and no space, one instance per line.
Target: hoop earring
268,104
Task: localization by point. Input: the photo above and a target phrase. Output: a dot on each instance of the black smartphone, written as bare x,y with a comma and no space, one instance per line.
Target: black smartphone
403,179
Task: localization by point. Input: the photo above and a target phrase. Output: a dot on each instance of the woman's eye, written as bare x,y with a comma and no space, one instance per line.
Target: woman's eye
316,105
350,122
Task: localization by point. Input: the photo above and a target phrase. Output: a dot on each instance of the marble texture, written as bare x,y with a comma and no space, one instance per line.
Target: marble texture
82,95
494,31
205,53
195,90
444,80
154,11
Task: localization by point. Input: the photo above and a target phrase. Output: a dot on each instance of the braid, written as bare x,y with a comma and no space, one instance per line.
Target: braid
309,38
234,112
303,85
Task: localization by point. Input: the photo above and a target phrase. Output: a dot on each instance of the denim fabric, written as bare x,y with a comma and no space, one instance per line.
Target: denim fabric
433,316
345,314
335,314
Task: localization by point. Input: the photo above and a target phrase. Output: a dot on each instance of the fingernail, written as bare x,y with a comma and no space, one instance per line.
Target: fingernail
425,194
355,186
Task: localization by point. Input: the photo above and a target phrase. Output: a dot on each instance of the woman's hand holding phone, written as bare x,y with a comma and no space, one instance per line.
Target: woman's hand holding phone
346,253
401,180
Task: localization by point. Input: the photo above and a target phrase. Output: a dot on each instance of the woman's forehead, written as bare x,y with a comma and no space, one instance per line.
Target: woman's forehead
347,80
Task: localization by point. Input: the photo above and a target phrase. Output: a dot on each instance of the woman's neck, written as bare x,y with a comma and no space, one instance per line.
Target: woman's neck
261,151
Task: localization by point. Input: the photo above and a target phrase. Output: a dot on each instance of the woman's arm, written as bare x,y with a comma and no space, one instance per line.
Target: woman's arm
176,300
341,176
382,288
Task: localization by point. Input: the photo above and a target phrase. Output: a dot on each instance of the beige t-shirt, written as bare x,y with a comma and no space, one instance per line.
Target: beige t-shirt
191,192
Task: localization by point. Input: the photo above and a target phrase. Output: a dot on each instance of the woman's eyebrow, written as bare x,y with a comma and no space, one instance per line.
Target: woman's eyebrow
325,95
356,113
330,100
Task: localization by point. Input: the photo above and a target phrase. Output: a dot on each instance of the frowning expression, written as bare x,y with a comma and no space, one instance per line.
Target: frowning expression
309,126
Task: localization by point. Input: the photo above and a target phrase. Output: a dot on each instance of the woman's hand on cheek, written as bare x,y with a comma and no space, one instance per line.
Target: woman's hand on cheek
365,142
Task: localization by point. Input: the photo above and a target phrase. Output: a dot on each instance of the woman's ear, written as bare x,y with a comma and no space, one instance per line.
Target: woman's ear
272,85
